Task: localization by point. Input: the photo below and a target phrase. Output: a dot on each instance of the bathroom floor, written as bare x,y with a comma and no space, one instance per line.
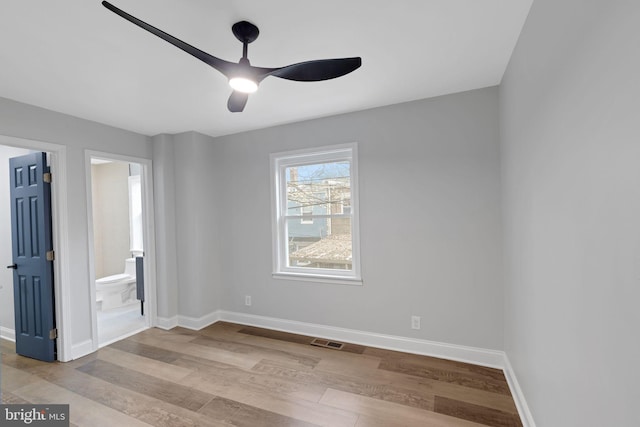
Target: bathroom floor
119,323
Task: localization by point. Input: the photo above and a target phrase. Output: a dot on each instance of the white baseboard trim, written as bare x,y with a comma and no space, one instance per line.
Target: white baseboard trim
477,356
200,322
7,334
166,323
518,396
82,349
194,323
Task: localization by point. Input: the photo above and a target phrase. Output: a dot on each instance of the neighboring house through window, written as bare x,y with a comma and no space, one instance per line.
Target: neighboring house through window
315,218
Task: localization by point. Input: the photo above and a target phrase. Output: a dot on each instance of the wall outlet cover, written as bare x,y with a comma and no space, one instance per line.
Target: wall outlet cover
415,322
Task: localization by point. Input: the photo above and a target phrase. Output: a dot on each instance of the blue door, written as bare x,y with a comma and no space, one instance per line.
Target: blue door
32,256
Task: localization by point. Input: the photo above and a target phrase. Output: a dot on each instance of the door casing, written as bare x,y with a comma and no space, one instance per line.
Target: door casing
148,237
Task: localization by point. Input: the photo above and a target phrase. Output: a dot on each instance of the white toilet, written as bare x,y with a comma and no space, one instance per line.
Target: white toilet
119,289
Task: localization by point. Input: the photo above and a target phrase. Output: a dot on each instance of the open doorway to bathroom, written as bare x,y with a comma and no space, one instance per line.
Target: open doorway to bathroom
118,224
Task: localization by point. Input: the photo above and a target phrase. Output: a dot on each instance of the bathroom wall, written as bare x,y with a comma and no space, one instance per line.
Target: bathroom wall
110,199
6,258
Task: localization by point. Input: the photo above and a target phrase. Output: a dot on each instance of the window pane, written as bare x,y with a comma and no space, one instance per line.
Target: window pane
325,243
319,189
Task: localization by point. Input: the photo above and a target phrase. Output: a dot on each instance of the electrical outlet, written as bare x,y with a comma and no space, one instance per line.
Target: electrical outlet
247,300
415,322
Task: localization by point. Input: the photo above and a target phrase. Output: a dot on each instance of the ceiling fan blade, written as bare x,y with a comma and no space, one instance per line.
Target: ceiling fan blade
225,67
313,71
237,101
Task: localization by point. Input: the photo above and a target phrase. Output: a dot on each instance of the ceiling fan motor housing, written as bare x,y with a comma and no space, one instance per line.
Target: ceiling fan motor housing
245,31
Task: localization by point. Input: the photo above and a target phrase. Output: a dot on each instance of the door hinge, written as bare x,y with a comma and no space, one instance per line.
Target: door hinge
53,334
47,177
51,255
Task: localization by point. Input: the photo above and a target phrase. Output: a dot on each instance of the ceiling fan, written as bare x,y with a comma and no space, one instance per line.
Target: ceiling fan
243,77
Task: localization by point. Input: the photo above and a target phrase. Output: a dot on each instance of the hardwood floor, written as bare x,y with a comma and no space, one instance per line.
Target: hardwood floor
233,375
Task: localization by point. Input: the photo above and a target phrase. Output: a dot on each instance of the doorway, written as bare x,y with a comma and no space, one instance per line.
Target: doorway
56,158
118,232
63,203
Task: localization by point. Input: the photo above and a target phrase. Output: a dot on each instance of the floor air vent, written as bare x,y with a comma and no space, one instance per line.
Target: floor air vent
319,342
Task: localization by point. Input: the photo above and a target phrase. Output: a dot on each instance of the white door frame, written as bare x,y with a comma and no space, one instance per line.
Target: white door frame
60,229
148,233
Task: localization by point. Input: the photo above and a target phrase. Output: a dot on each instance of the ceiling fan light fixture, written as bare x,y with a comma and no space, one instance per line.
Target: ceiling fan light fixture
243,84
243,77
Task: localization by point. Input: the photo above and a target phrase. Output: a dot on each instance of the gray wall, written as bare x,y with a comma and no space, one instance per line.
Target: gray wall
188,178
429,202
198,182
29,122
164,192
430,220
570,130
6,276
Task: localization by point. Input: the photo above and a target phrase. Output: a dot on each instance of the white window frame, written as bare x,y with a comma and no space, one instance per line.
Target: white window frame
279,163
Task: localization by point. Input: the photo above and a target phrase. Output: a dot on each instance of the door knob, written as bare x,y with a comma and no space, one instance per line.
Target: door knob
14,266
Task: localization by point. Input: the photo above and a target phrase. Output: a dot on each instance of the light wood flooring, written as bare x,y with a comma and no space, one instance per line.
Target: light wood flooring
234,375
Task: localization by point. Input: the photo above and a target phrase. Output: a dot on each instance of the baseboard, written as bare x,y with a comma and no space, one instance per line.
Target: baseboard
518,396
82,349
194,323
7,334
476,356
200,322
166,323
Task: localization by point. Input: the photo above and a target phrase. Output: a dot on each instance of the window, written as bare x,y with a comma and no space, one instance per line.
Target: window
315,215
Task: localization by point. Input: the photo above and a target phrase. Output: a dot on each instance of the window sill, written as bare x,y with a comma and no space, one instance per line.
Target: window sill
318,279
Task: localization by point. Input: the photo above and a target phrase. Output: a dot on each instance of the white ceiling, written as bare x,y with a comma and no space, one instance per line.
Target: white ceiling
76,57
